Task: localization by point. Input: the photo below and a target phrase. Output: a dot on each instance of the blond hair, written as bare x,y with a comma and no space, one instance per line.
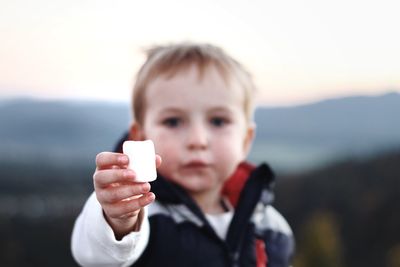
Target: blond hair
171,59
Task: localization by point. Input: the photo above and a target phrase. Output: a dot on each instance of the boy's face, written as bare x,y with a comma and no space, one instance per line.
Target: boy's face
198,127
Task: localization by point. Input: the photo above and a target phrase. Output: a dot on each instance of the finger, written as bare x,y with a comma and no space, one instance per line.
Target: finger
158,161
124,208
105,160
105,178
115,194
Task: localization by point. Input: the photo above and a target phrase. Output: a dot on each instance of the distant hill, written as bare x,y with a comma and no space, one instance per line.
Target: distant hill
59,130
304,137
290,138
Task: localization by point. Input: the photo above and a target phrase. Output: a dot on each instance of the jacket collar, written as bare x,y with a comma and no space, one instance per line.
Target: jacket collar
171,193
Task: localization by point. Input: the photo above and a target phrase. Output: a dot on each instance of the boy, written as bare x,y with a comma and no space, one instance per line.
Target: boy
207,207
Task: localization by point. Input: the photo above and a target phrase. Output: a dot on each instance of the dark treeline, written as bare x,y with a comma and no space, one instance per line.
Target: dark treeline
344,215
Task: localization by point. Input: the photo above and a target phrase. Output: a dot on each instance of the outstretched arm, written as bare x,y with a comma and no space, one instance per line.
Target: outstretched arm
113,229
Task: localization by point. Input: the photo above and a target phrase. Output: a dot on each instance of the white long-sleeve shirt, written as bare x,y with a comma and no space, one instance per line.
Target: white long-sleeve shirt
94,244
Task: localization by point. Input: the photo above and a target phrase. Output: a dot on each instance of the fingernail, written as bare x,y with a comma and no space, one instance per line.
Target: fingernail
151,197
123,159
145,186
129,173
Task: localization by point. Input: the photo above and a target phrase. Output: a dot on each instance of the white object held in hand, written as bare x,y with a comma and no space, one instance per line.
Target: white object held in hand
142,159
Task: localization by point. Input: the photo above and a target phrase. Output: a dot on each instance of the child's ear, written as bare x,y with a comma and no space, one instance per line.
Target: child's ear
249,138
136,132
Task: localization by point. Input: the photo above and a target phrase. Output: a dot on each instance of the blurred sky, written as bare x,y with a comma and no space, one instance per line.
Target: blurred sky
298,51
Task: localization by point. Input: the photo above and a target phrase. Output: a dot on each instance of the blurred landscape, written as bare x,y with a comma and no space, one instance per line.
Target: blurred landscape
337,163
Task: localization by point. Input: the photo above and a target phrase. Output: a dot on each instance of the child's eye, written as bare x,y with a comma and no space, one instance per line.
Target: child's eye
218,121
172,122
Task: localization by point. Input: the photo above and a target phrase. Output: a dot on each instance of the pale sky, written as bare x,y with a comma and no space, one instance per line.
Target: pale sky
298,51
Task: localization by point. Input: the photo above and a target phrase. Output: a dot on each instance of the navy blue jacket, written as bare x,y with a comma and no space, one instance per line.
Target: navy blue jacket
180,234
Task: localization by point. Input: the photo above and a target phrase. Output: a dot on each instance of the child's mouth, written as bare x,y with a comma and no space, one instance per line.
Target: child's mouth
196,164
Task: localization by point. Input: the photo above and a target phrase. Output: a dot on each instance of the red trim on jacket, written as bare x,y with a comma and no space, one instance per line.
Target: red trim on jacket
234,185
232,188
261,253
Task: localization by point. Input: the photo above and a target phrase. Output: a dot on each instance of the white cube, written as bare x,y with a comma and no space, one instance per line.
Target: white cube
142,159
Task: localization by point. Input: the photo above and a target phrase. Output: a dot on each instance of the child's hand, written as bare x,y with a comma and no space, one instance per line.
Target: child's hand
119,195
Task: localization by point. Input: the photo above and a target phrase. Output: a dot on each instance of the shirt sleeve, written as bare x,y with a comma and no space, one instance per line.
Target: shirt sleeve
93,242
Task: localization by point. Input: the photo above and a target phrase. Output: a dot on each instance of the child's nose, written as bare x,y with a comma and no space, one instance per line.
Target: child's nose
197,137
